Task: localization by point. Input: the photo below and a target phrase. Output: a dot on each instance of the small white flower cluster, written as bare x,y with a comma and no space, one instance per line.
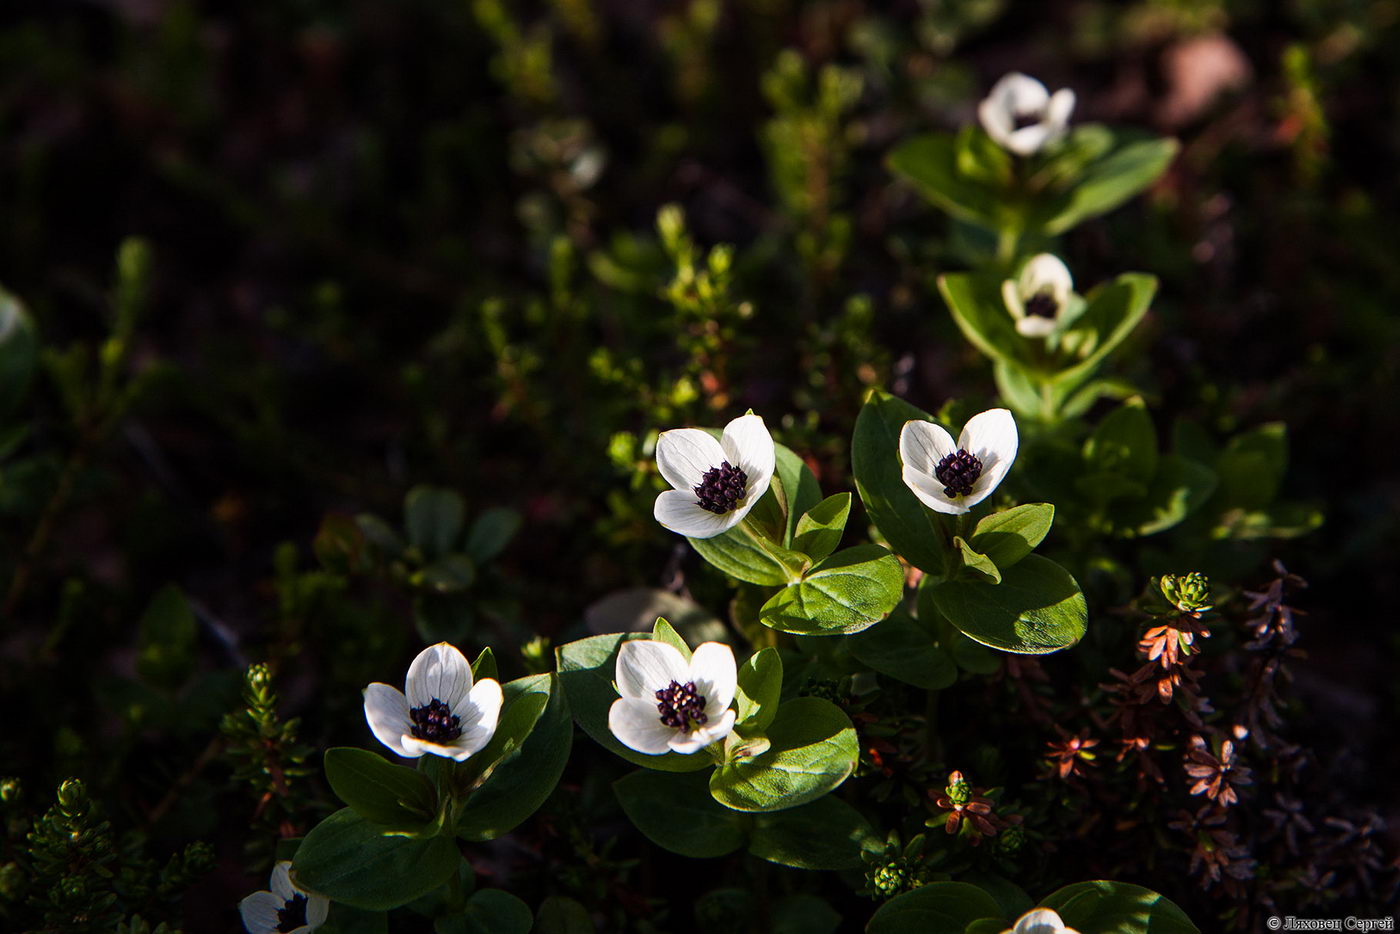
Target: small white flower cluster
1021,115
1040,921
669,704
440,711
286,909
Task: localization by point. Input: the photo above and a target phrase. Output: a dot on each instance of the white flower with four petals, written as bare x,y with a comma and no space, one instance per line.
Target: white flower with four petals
1040,296
440,710
1024,117
952,477
716,482
284,910
1040,921
669,704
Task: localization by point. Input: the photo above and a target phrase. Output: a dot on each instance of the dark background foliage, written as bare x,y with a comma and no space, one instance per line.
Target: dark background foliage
413,242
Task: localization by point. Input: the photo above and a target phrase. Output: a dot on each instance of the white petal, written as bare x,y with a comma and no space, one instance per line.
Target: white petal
715,674
1046,272
1011,295
419,747
1035,326
717,728
996,119
929,490
1021,94
480,712
281,883
386,710
678,511
317,908
645,666
259,912
637,725
687,743
1040,921
991,436
1059,108
748,446
440,672
923,444
684,454
1028,140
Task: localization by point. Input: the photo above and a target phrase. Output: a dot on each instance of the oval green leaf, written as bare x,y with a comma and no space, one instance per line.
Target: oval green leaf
1037,608
813,751
851,590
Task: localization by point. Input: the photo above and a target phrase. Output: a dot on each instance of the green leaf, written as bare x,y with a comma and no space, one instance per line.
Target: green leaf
930,164
586,670
527,766
1104,907
979,158
826,834
1114,309
1283,520
166,644
910,529
399,798
937,908
433,518
1252,466
662,631
907,650
760,685
1037,608
346,920
813,751
677,813
849,591
485,666
491,533
979,311
489,911
450,574
351,860
1179,488
380,535
1008,536
1124,443
796,489
819,530
973,565
561,915
1017,390
19,353
738,554
1126,170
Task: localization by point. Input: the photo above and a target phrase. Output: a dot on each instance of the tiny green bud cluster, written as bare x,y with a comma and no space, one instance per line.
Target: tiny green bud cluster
1189,593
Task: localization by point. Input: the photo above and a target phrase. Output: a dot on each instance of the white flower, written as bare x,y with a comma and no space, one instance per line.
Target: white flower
953,477
1040,921
1022,116
669,705
286,908
443,712
1039,297
716,482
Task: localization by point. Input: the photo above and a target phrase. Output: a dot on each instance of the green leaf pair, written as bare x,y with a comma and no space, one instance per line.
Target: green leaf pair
1093,171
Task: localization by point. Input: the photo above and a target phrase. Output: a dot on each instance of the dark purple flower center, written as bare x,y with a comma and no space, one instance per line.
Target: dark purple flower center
721,489
1042,305
1026,118
293,915
680,707
958,472
435,723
